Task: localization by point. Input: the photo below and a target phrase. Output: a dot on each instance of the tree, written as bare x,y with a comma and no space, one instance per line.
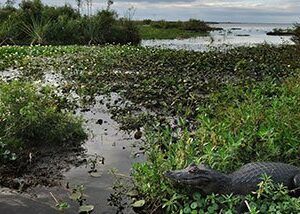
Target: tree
79,4
89,4
109,4
10,3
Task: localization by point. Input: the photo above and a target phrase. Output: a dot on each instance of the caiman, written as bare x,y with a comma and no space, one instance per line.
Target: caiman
241,182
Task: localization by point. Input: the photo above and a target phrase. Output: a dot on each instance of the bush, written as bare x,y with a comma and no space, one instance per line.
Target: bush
31,117
195,25
61,31
9,30
125,32
6,11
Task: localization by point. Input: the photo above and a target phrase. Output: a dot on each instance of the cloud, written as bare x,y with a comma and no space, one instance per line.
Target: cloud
212,10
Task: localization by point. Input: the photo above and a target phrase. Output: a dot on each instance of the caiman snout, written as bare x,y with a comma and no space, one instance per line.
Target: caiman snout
168,174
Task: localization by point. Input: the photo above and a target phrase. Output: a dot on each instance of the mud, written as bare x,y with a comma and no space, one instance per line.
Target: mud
40,166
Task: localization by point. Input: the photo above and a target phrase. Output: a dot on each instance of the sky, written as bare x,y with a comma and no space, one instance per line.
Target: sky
251,11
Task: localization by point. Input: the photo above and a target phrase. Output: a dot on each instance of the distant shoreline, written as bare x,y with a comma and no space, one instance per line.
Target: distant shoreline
212,22
268,23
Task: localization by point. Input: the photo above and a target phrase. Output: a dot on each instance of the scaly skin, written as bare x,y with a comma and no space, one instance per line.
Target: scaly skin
240,182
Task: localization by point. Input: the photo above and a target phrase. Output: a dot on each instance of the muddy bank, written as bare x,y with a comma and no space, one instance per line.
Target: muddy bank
40,166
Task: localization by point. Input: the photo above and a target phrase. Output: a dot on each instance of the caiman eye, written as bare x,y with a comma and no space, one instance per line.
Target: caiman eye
193,169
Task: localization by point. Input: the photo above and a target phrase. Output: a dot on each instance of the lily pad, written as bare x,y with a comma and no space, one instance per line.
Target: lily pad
86,208
132,193
139,203
95,174
75,196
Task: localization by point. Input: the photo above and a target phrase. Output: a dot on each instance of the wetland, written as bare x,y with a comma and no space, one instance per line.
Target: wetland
145,111
90,123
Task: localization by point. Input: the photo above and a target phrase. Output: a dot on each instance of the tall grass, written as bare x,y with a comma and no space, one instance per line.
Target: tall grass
36,30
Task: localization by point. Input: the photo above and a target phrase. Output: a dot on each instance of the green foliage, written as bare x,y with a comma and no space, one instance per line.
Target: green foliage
6,11
36,23
210,204
62,31
240,124
272,198
36,31
8,30
32,117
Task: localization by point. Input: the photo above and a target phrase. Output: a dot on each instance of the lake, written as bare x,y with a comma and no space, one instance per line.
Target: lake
233,34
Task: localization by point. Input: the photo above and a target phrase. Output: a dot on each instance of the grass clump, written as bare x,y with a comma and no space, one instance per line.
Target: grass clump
32,117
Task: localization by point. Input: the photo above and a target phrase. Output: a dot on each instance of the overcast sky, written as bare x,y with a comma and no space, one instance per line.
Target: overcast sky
273,11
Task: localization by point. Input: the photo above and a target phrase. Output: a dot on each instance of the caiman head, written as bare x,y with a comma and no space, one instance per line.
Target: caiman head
201,178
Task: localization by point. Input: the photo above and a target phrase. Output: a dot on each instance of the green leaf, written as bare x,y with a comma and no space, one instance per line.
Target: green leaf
196,196
62,206
132,193
139,203
187,210
194,205
86,208
75,196
95,174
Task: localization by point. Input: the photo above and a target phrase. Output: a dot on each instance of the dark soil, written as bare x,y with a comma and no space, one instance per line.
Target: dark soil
40,166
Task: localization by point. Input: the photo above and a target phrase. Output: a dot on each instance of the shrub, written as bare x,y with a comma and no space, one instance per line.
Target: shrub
31,10
147,21
9,30
196,25
104,21
31,117
125,32
6,11
62,30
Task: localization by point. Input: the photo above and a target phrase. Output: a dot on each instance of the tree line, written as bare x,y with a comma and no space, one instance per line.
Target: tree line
32,22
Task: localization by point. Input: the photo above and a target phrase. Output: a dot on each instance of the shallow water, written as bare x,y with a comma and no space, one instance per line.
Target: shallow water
233,35
116,147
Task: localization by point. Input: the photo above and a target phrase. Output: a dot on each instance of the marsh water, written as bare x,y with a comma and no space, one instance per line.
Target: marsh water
116,148
232,35
107,149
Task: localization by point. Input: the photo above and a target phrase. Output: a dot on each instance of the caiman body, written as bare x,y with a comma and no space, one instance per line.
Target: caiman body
241,182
